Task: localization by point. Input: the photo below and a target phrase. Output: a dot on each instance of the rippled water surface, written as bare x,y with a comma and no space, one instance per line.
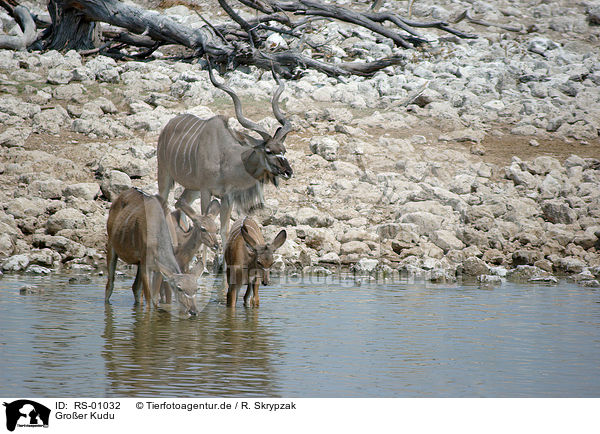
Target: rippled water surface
313,339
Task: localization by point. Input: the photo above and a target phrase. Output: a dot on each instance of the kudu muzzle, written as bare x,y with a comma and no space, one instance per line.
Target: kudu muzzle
266,277
214,246
282,168
189,306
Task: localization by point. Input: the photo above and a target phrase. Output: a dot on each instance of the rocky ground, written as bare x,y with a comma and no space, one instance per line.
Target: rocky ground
478,157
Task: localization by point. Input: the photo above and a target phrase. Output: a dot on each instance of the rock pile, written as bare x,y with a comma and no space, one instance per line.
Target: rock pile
393,173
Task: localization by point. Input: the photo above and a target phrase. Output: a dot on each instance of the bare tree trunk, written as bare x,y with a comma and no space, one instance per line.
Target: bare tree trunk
132,18
70,28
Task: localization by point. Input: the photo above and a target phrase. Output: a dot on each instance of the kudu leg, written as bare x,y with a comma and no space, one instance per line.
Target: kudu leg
137,285
164,288
157,283
232,293
224,218
255,300
111,262
205,203
146,288
165,291
252,289
234,283
247,294
165,182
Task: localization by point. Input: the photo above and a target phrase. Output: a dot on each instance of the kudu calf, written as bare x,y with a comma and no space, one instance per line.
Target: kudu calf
248,259
138,233
187,238
208,158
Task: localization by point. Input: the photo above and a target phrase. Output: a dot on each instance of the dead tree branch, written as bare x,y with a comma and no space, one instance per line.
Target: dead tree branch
470,19
26,33
76,24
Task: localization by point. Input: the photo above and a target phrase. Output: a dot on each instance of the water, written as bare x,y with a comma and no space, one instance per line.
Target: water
313,339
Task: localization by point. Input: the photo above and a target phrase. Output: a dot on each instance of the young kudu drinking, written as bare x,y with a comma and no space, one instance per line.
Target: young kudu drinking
138,233
209,159
188,238
248,259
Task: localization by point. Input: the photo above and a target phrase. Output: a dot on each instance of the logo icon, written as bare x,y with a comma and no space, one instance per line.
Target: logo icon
26,413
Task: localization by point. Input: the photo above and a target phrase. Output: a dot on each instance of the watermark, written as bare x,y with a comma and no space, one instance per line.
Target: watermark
24,413
214,286
215,406
350,277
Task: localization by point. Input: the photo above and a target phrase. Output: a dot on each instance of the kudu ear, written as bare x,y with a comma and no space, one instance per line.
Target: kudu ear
166,273
245,139
214,208
248,239
181,221
280,134
279,239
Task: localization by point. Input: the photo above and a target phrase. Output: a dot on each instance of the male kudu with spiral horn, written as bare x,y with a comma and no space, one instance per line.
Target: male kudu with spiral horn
208,158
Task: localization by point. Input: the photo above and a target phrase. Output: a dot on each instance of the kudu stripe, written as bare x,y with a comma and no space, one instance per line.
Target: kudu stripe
185,149
192,146
167,147
178,146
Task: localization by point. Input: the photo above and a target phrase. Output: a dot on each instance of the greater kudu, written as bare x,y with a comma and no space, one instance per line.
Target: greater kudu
138,233
248,259
208,158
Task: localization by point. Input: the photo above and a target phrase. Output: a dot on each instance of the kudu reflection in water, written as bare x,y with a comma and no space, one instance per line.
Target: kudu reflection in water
154,355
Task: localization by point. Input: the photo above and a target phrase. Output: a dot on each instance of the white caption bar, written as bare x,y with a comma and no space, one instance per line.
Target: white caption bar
76,415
